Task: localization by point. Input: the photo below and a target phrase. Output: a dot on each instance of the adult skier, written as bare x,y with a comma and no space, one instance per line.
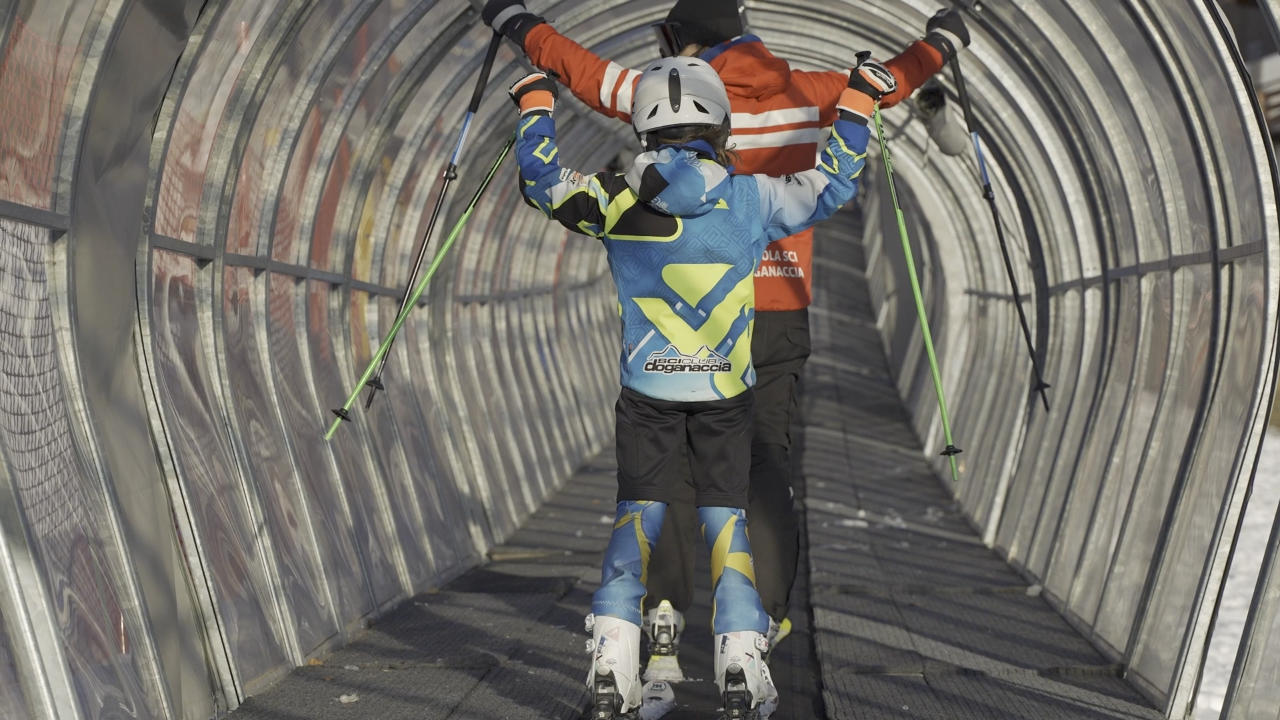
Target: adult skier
684,239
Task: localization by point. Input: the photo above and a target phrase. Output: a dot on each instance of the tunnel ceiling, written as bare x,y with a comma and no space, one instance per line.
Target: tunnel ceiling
210,211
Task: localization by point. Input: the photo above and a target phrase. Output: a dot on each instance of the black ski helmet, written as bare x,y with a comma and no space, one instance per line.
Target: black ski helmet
701,22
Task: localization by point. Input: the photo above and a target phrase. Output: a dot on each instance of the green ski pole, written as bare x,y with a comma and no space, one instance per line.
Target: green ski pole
450,174
951,450
344,413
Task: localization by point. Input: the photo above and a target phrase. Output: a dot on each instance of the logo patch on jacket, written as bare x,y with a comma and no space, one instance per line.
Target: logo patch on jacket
671,360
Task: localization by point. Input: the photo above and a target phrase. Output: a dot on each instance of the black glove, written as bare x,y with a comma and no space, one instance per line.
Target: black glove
872,79
511,18
868,82
533,93
947,33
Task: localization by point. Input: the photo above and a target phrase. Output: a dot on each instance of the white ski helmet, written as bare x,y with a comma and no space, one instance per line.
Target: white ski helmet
678,91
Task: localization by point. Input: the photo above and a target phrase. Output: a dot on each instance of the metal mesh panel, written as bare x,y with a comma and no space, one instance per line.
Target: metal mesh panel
65,515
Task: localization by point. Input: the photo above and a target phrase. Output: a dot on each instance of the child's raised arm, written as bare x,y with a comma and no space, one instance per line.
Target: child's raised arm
577,201
796,202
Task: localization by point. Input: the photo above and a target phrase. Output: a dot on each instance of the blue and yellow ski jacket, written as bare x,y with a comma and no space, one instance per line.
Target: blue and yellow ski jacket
683,238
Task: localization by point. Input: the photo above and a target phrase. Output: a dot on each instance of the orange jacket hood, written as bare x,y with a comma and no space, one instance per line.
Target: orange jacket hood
748,69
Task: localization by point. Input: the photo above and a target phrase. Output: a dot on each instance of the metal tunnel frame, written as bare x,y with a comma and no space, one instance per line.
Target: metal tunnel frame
207,211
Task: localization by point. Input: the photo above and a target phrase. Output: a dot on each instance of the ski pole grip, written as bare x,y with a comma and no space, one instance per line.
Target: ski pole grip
485,69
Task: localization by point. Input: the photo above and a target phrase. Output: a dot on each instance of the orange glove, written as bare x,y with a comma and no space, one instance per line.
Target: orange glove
868,82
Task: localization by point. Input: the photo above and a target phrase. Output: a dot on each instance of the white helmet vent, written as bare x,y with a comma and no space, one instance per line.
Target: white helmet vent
678,91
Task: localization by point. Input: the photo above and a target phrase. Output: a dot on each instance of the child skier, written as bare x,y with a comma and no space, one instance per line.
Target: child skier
779,112
683,238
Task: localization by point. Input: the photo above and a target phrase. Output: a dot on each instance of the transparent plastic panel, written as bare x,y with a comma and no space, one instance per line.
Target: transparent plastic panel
1187,362
336,533
444,517
13,703
506,344
1105,143
380,114
1255,692
417,179
1122,472
568,436
1074,337
1107,409
260,169
209,475
402,501
297,570
287,137
370,513
348,101
510,499
412,115
425,338
199,128
1003,423
431,514
1229,140
36,82
1210,506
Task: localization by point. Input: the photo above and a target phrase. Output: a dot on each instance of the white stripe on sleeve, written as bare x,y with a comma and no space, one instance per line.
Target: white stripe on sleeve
611,73
624,93
769,118
781,138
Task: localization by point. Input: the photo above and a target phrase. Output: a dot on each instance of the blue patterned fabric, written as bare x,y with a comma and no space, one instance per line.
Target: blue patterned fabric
684,238
735,603
626,561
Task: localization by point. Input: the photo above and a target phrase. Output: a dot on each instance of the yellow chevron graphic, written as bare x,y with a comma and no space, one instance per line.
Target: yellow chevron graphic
712,331
644,544
721,558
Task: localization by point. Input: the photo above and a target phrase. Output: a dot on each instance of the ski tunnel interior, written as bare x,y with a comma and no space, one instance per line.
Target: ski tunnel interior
208,213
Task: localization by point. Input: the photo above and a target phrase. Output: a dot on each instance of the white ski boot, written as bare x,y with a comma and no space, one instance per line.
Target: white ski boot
778,631
663,625
742,676
614,677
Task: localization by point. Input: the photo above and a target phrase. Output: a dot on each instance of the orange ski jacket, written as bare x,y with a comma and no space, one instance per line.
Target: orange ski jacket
779,117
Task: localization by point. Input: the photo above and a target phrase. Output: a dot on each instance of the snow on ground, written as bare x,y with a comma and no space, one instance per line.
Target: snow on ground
1242,581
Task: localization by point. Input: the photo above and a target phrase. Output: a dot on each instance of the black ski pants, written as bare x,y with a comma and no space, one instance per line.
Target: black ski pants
779,348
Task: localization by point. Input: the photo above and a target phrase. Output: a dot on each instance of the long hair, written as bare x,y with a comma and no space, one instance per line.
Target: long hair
716,136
